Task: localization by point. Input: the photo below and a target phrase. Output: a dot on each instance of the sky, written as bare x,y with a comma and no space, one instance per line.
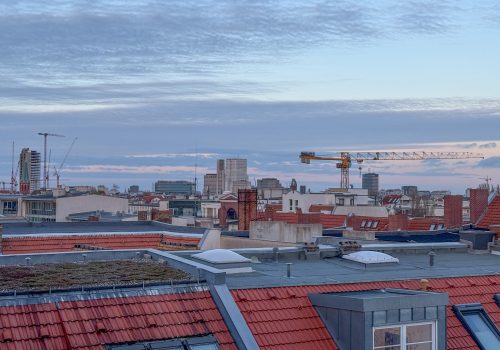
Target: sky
161,89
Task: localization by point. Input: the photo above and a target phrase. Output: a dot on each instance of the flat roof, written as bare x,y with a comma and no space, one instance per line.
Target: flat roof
49,228
334,270
89,274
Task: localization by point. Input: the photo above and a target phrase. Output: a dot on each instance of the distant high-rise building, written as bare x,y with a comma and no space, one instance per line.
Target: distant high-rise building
175,187
235,175
133,189
29,170
219,188
269,188
210,184
370,183
410,191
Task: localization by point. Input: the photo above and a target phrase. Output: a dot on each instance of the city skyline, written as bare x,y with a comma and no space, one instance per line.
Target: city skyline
145,86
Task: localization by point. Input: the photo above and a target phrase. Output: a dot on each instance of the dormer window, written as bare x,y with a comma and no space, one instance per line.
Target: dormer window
386,319
410,336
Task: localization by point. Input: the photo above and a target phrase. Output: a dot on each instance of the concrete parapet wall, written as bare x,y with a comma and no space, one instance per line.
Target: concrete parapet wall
283,232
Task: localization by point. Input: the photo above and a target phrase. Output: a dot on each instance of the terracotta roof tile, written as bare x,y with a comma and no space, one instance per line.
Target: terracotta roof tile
87,324
45,244
289,321
491,215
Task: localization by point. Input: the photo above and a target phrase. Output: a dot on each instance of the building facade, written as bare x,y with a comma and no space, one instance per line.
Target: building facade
235,175
175,187
370,183
29,171
210,184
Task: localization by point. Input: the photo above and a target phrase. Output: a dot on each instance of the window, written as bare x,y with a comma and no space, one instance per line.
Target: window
480,326
363,223
497,299
340,201
433,227
369,224
418,336
291,204
196,343
375,224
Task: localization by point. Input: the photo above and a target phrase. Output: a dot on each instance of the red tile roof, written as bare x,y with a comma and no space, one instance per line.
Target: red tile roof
317,208
45,244
390,199
492,214
284,318
423,224
332,221
88,324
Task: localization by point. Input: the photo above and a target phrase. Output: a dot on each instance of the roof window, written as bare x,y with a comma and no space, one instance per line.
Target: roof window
363,223
196,343
375,224
479,324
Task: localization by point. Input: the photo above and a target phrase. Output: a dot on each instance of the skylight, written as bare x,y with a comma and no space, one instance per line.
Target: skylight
195,343
370,257
479,324
221,256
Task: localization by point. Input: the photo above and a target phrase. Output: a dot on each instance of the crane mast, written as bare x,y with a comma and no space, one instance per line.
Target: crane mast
345,159
45,168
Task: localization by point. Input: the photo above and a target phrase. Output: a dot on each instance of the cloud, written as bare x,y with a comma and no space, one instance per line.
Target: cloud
425,17
175,155
488,145
129,169
491,162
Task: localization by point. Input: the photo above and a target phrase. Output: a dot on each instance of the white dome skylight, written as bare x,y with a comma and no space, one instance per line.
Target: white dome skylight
369,257
221,256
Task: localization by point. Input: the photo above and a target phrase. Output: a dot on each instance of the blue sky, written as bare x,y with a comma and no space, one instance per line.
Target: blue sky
151,88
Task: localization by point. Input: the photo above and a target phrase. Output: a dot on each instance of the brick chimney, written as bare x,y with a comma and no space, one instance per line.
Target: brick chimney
478,203
398,222
453,211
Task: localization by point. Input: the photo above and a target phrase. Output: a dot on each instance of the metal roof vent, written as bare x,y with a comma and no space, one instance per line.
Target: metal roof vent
370,257
225,260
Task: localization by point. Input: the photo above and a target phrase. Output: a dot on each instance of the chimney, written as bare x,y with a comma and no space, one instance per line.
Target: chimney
478,203
398,222
424,285
453,211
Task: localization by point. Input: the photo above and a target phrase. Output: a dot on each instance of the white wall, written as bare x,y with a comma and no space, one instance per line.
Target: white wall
304,201
79,204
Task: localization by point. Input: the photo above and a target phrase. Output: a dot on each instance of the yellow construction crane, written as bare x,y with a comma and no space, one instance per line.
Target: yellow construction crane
345,159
